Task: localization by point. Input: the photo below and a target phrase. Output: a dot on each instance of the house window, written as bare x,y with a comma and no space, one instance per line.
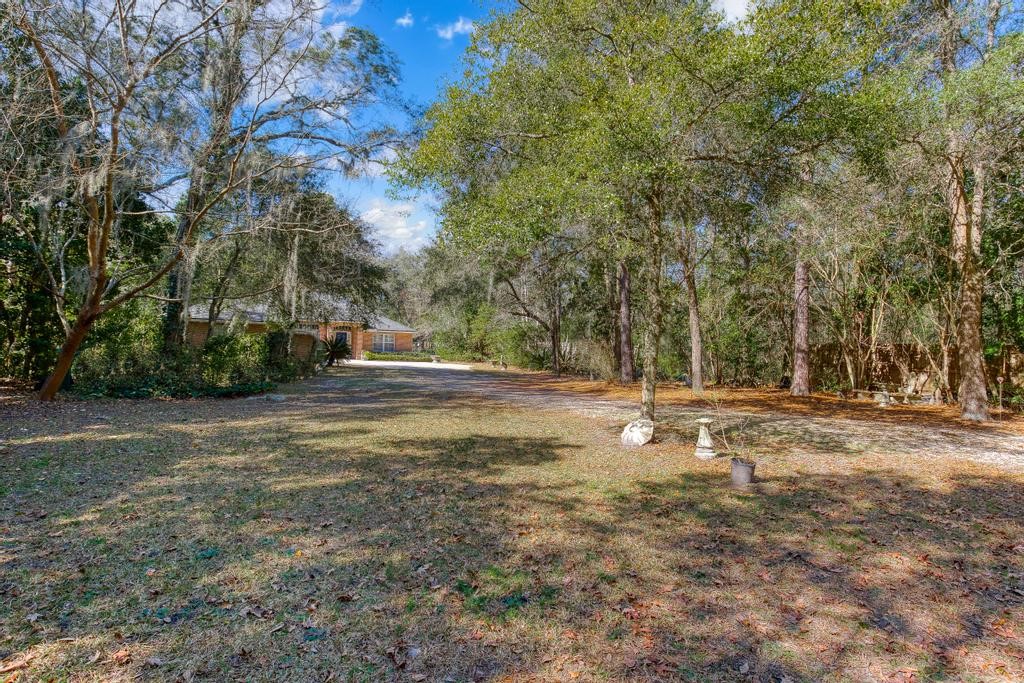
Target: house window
341,337
383,343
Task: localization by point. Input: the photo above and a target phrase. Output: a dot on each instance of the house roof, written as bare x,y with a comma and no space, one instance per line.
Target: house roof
342,310
256,313
336,311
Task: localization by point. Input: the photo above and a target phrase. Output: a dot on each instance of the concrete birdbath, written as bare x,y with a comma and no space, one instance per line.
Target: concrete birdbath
705,446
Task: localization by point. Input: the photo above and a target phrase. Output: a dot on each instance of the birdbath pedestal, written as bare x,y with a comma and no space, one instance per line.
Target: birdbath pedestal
705,446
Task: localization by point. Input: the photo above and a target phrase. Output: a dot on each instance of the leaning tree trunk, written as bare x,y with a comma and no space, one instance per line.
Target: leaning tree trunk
626,364
801,384
76,335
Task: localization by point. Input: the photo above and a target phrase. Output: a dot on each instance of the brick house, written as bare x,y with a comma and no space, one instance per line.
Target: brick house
362,331
378,334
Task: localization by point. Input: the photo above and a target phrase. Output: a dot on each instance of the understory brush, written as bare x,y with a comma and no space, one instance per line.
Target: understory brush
135,364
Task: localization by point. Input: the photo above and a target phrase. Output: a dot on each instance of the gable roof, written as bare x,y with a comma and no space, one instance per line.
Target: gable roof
336,311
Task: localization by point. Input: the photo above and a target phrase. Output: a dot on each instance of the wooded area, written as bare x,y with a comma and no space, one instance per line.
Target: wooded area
157,156
823,197
829,194
232,445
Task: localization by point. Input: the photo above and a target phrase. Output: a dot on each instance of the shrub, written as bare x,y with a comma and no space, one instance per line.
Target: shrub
336,349
417,356
133,364
235,359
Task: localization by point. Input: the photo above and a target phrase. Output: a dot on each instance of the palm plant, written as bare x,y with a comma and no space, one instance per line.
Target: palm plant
336,348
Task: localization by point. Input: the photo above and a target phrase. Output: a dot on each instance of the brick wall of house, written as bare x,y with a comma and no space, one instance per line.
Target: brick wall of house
303,346
403,341
196,333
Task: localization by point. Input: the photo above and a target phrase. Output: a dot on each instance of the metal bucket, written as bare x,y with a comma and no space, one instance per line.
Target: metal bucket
742,472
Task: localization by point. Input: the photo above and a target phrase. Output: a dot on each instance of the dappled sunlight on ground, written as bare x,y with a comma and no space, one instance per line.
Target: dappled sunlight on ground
376,527
775,400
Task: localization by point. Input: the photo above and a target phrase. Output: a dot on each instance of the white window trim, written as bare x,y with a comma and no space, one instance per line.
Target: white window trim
383,340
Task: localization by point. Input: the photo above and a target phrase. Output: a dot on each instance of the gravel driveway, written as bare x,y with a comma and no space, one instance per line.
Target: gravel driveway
841,436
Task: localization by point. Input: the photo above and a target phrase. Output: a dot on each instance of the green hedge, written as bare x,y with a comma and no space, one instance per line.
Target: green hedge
413,356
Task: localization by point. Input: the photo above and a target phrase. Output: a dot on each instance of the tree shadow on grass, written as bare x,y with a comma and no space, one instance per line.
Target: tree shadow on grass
388,537
810,577
291,553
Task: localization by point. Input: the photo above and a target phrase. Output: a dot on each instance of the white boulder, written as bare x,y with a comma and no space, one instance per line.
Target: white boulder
637,433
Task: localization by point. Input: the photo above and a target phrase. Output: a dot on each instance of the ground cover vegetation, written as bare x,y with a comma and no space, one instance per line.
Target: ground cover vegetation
377,527
824,195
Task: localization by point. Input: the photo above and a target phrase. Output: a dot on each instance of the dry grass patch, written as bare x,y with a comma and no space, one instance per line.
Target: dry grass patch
370,531
772,401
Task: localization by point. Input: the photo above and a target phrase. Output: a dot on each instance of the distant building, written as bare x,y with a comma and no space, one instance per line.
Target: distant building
360,330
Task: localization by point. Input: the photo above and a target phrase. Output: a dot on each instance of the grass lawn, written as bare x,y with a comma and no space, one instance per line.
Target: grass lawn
367,533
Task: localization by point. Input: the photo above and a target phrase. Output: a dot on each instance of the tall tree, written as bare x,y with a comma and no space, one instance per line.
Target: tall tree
968,95
141,68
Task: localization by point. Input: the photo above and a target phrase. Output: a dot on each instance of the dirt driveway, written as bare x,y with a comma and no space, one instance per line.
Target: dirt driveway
872,432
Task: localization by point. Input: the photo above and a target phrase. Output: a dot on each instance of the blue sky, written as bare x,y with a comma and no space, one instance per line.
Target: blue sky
429,39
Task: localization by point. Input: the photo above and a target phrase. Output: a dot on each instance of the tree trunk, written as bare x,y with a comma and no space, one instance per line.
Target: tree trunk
217,300
801,385
626,365
611,286
556,334
688,259
66,356
174,311
973,391
966,224
652,329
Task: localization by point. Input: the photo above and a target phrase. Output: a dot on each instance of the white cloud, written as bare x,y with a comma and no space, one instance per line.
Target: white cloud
734,10
462,26
406,20
337,29
332,16
348,9
375,166
394,226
